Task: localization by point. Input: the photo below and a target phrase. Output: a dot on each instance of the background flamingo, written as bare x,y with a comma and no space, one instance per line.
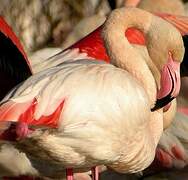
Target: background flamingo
162,6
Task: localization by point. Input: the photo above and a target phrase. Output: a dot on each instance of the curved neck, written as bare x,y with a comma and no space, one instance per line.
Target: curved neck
122,53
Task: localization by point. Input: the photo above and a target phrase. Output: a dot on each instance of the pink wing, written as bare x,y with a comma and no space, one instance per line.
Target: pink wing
24,112
23,116
32,104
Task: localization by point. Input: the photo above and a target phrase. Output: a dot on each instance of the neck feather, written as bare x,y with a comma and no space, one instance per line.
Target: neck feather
122,53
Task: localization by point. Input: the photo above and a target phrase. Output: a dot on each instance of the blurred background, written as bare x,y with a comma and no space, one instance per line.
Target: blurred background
41,23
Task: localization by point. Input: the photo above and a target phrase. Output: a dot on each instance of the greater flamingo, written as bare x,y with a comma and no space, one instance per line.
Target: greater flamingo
7,31
74,136
19,58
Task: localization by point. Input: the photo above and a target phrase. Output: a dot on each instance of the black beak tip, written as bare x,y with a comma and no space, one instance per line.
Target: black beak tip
160,103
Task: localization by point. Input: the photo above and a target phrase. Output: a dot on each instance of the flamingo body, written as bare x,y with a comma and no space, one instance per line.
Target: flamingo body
92,117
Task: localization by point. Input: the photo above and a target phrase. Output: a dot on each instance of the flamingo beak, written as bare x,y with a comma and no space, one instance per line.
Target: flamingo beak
170,84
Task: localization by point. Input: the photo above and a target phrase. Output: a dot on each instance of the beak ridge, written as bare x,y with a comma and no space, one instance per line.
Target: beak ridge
170,84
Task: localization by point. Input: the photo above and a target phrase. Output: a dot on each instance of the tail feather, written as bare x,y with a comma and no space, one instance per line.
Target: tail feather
10,111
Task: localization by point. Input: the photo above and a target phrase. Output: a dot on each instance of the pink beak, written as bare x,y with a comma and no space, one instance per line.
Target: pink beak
170,84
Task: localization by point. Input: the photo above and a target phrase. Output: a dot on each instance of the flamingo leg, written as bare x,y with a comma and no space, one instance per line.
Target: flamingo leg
95,173
69,174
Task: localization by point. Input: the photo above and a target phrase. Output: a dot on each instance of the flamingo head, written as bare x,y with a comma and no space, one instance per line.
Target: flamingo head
169,84
167,55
